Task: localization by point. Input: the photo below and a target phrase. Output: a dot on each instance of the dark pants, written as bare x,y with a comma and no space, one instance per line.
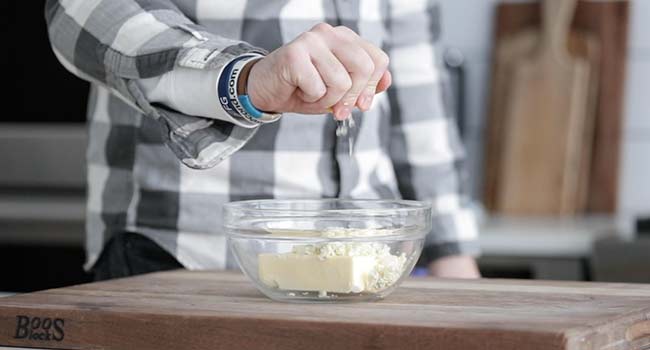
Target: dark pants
129,254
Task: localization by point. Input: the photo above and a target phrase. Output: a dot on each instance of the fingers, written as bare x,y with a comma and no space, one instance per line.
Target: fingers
311,86
332,72
379,62
384,82
359,66
334,67
356,63
304,75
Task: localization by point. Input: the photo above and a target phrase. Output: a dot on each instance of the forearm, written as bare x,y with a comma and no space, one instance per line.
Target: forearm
117,43
113,42
191,92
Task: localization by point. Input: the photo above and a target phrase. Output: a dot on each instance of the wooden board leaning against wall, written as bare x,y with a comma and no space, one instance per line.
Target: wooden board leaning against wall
607,22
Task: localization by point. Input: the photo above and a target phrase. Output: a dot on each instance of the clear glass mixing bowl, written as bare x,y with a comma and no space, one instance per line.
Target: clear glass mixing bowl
327,250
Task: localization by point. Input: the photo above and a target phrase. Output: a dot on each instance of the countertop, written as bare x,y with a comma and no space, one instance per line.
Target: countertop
222,310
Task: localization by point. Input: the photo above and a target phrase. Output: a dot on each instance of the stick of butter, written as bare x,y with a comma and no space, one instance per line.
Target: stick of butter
335,267
336,274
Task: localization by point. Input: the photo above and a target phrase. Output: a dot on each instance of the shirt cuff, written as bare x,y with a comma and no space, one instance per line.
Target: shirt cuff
191,92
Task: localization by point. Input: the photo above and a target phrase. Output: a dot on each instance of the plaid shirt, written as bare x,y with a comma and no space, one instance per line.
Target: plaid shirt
158,172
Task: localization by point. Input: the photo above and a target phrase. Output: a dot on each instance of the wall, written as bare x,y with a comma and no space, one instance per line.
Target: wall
635,178
467,25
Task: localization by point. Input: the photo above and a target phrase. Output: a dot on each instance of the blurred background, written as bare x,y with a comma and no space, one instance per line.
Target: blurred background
594,225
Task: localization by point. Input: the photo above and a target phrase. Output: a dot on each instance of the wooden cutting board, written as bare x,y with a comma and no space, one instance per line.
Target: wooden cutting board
545,113
509,51
514,37
220,310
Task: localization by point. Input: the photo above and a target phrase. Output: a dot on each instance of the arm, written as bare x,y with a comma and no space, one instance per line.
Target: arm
138,48
118,43
425,147
191,92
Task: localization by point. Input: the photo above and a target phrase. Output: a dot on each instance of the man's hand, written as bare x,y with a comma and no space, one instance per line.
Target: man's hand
455,266
326,67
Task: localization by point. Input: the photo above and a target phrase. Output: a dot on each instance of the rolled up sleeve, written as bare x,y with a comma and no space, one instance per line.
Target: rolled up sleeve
191,92
117,43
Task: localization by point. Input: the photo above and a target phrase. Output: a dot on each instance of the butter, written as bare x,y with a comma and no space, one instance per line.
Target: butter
334,267
338,274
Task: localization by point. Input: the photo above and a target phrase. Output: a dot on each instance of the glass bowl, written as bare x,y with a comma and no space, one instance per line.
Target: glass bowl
329,250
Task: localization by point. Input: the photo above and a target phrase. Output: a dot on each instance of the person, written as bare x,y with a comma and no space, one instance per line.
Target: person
195,103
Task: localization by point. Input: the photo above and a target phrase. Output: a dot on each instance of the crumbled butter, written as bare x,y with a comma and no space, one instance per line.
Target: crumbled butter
336,267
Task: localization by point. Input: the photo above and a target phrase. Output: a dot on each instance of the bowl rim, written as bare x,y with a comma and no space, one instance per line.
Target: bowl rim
235,231
409,205
324,240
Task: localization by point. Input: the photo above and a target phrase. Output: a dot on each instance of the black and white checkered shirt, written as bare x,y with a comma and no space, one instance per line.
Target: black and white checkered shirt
158,172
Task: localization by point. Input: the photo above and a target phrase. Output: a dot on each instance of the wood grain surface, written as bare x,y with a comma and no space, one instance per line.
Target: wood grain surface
607,22
544,117
220,310
508,50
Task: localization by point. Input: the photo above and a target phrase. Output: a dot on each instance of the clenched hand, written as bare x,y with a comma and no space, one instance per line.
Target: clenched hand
325,67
